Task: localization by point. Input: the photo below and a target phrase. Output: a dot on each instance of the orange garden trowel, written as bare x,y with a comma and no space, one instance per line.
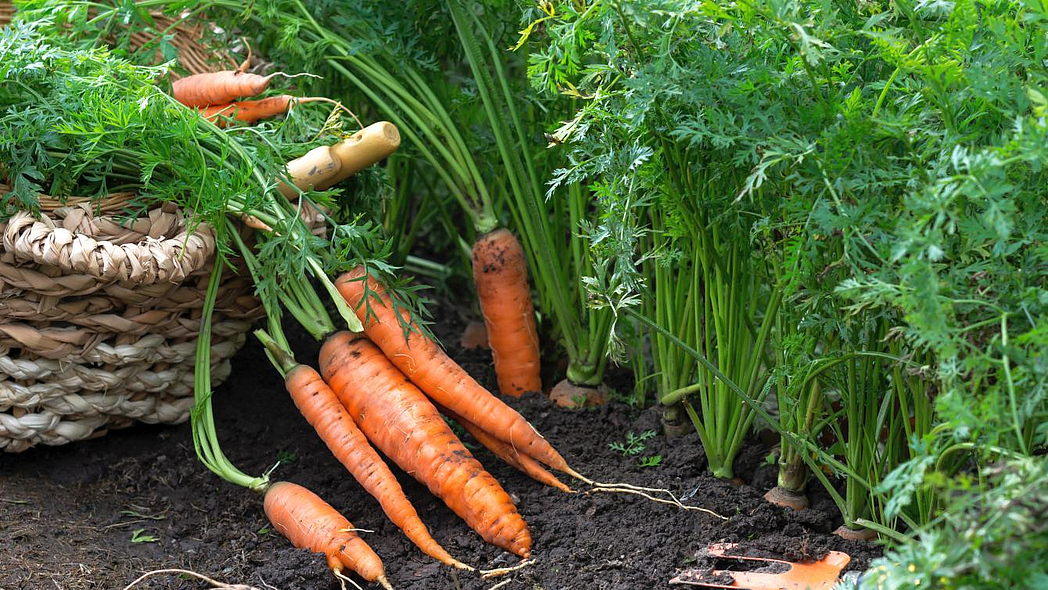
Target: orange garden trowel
818,575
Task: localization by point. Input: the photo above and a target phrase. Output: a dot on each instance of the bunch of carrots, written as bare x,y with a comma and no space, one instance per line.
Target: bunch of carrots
373,400
389,387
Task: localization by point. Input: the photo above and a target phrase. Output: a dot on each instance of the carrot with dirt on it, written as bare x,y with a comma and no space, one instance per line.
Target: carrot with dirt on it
311,523
322,409
441,378
507,453
404,425
501,275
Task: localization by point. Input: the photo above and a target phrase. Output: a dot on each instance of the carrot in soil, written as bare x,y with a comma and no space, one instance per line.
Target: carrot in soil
309,522
507,453
404,425
441,378
253,111
501,276
322,409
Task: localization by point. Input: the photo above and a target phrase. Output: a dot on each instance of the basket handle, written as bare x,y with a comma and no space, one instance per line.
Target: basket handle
148,261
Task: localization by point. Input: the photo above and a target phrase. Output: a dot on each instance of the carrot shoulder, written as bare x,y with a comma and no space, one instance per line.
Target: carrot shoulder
441,378
404,425
309,522
501,275
336,428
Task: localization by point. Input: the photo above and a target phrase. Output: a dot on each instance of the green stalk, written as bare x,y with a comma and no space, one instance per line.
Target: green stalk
205,437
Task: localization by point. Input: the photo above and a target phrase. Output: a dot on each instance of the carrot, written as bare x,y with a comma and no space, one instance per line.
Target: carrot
201,90
440,377
325,413
404,425
252,111
501,276
507,453
309,522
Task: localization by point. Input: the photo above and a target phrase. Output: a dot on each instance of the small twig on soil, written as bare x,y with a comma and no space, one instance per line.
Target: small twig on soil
216,584
501,584
488,574
674,502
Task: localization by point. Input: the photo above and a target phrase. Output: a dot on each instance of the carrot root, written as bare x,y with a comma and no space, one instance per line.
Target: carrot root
502,571
501,276
404,425
325,413
436,374
310,522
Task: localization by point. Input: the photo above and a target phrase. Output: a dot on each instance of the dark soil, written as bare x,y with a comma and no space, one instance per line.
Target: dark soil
98,514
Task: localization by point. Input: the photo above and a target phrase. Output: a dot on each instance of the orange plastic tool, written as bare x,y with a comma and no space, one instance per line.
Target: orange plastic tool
818,575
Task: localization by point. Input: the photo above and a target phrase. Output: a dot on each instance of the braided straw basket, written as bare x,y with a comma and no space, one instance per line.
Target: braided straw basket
98,320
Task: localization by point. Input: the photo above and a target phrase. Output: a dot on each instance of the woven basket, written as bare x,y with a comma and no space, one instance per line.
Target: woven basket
98,320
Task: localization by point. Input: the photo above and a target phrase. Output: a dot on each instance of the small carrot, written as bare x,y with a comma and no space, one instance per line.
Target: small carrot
507,453
322,409
404,425
252,111
501,276
441,378
309,522
202,90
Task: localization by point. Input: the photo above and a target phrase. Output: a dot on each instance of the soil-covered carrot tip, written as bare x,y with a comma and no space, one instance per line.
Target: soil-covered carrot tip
202,90
336,428
441,378
501,275
404,425
309,522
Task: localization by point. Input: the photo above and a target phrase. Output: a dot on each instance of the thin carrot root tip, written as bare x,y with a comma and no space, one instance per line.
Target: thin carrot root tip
579,476
502,571
673,501
384,583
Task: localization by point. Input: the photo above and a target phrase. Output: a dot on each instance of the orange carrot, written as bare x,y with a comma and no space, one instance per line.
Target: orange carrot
309,522
507,453
252,111
398,418
501,276
325,413
202,90
441,378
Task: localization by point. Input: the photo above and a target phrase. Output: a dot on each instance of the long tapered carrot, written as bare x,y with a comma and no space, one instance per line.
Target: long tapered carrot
309,522
404,425
441,378
501,276
324,412
507,453
202,90
253,111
